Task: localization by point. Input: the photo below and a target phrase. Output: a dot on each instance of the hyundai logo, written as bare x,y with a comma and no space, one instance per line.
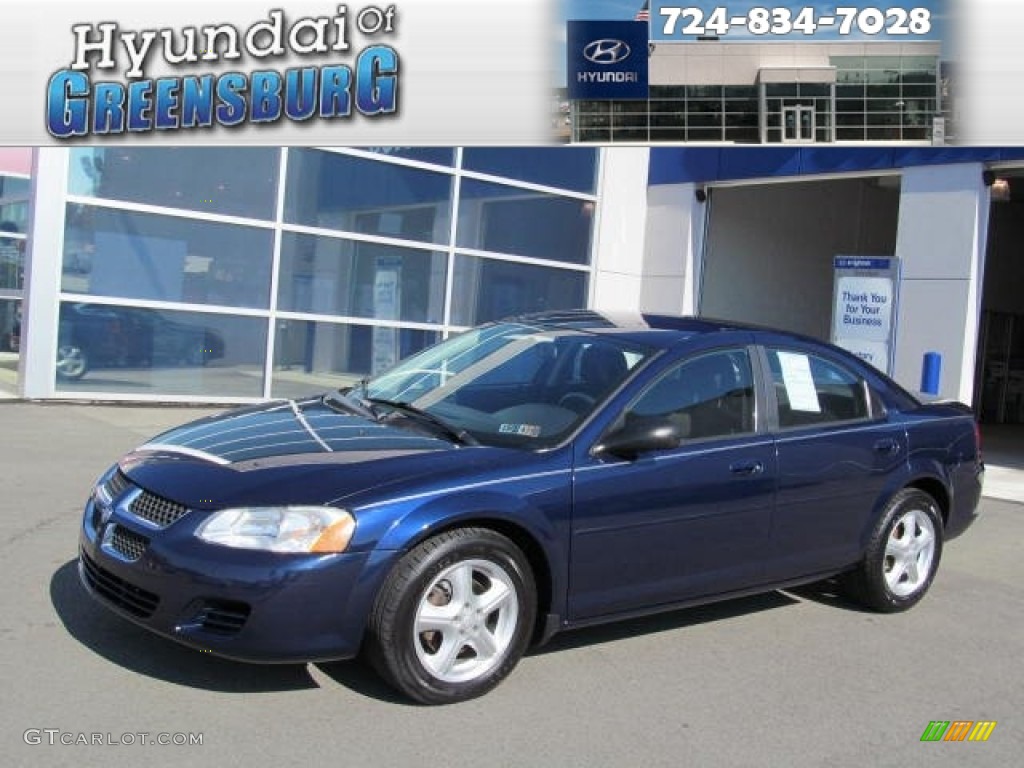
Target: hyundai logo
607,51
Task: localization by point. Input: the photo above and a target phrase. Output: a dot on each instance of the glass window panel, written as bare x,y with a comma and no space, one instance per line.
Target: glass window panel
630,134
882,76
437,155
849,118
314,357
883,118
849,105
882,91
334,276
667,106
704,105
740,92
667,120
882,62
737,105
355,194
705,120
850,77
668,91
891,133
743,135
920,63
850,133
14,187
10,341
137,350
239,181
495,217
14,216
838,394
885,105
849,91
595,134
110,252
12,262
593,121
778,90
926,91
629,108
668,134
630,121
704,134
564,167
593,107
741,121
704,91
488,289
815,89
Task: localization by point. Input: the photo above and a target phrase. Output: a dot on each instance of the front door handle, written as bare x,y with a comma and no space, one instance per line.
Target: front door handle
888,446
747,468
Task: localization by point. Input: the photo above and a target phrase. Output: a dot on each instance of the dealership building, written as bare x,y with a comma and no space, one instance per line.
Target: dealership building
238,274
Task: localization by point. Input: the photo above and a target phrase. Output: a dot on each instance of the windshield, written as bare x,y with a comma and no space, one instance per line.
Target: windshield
510,384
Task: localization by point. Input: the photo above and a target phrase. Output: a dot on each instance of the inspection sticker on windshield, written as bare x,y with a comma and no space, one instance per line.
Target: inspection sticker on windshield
527,430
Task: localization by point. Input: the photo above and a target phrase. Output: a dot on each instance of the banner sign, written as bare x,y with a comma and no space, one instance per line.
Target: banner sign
607,59
864,307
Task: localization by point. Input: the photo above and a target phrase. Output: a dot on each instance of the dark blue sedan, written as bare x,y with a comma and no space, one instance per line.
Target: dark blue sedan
526,477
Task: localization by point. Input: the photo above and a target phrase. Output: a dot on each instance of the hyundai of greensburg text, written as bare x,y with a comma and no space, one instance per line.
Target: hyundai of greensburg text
527,477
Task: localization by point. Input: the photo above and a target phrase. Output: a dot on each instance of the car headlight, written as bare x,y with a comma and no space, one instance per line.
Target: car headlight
280,529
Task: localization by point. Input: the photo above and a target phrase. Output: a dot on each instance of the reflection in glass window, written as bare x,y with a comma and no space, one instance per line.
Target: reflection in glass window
239,181
708,396
110,348
110,252
488,289
10,329
315,357
810,390
12,259
436,155
567,168
334,276
325,189
494,217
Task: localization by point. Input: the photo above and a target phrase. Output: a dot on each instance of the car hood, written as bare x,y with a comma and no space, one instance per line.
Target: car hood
294,452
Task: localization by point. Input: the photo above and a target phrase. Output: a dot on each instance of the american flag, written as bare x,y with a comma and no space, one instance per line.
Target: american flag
644,14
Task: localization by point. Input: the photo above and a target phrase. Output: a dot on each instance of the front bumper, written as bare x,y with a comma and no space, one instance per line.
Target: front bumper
246,605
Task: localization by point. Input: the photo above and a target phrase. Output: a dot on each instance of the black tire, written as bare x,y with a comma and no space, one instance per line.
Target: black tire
410,660
882,581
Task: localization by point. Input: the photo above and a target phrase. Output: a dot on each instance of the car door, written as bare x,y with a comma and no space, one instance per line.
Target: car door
837,456
690,520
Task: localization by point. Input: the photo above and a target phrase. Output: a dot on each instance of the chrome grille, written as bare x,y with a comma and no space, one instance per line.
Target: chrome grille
125,595
157,510
128,543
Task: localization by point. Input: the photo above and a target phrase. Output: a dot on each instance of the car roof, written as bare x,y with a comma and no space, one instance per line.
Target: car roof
651,329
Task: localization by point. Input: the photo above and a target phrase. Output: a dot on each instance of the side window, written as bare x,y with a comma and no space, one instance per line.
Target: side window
811,390
711,395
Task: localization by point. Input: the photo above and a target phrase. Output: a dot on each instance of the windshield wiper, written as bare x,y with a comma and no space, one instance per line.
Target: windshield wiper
347,402
460,436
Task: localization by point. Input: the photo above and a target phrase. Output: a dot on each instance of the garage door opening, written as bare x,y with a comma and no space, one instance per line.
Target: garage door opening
769,250
999,379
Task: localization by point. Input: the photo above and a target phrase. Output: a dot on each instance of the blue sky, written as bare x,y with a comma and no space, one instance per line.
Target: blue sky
626,9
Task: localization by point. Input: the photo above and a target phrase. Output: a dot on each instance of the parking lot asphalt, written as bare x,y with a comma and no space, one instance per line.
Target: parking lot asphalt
787,678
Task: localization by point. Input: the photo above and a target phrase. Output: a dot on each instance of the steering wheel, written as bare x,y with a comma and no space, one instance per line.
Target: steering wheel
577,401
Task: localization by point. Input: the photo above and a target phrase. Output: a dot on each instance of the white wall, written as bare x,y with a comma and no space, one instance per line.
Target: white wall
943,229
770,247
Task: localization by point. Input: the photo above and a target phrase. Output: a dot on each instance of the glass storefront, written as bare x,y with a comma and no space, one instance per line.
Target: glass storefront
876,98
14,193
238,272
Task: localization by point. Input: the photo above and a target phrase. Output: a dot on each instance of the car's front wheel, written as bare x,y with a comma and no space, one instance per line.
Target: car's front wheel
454,616
902,556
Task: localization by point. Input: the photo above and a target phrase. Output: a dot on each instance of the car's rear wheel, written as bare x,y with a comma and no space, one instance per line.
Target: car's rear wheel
72,362
902,556
454,616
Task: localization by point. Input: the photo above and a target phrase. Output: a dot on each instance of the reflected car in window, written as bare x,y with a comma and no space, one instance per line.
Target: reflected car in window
527,477
106,336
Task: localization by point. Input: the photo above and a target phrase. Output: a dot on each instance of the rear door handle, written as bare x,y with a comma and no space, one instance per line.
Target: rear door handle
747,468
887,446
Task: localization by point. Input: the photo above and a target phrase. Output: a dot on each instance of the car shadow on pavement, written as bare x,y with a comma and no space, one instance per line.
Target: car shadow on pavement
360,678
665,622
141,651
828,592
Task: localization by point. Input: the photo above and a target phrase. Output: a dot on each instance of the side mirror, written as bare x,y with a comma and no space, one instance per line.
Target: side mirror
638,438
